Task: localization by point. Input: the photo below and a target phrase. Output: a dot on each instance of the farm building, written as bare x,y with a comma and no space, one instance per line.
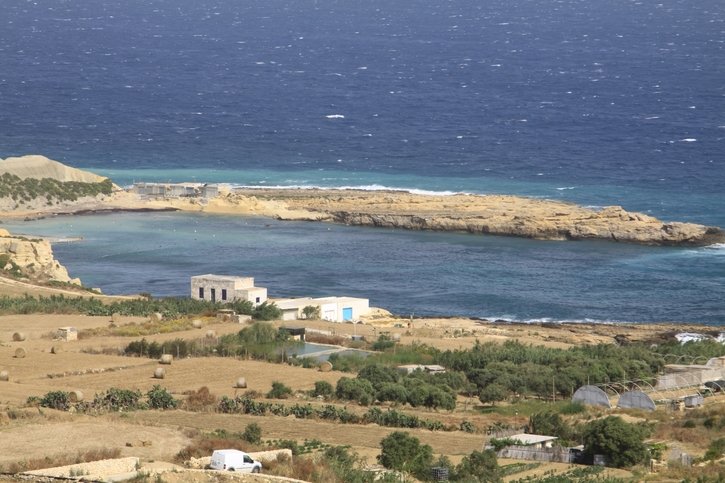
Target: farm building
430,368
681,375
67,333
175,190
334,309
223,288
534,440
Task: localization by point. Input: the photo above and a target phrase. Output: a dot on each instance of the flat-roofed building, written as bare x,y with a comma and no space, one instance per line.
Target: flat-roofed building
225,288
534,440
333,309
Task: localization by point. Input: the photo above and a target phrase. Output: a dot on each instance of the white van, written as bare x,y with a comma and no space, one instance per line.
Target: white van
234,460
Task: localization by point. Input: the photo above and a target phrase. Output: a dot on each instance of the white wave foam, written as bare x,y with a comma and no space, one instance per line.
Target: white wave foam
566,188
688,140
371,187
549,320
335,116
683,337
716,248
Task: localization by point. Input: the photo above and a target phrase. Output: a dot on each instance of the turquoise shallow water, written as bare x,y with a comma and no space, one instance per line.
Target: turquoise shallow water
692,206
406,272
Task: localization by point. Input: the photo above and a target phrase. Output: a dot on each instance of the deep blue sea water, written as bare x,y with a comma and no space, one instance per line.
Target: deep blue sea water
599,103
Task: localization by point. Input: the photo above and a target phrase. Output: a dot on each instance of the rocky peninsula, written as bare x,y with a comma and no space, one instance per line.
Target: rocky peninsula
477,214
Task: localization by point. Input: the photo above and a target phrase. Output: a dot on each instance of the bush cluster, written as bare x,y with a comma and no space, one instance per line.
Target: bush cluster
403,452
112,400
376,382
28,189
390,418
169,307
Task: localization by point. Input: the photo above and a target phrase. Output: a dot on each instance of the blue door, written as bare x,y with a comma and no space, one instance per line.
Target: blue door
347,313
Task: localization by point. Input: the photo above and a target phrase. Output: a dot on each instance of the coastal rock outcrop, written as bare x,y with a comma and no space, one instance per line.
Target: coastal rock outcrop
31,258
487,214
481,214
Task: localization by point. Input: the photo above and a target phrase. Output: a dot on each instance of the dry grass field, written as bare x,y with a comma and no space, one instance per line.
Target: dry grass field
92,364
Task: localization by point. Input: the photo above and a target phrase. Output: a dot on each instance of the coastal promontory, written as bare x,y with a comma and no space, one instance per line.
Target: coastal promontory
69,191
479,214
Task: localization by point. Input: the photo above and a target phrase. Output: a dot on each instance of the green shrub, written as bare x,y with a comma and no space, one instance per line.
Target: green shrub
279,391
267,311
116,399
467,426
323,388
252,433
383,343
59,400
716,449
159,398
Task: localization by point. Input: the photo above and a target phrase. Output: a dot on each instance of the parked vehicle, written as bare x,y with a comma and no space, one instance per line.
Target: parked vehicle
234,460
716,386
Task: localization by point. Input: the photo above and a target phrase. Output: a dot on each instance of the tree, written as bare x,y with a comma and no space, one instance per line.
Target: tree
492,393
548,423
378,375
403,452
479,466
359,390
392,392
620,442
311,312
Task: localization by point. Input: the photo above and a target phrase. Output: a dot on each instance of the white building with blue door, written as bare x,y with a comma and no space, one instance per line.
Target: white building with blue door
333,309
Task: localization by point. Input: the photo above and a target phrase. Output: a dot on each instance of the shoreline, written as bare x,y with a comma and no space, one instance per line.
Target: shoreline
415,210
499,215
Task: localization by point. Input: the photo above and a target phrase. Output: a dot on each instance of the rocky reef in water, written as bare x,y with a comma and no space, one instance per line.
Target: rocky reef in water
484,214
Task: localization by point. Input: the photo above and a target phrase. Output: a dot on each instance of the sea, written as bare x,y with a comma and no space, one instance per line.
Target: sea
613,102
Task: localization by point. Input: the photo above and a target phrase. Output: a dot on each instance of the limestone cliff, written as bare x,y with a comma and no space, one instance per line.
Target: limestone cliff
30,258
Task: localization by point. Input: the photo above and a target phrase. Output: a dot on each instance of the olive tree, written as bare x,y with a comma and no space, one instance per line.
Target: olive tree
620,442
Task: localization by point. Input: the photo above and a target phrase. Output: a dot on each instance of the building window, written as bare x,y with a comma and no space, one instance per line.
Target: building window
224,294
201,292
257,300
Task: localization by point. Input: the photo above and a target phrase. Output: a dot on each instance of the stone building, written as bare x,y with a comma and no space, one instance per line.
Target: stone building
223,288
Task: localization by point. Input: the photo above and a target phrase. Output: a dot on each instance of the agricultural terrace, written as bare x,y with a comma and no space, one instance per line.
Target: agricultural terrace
495,384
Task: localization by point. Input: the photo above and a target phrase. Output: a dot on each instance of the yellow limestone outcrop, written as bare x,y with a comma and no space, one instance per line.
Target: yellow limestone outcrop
33,258
483,214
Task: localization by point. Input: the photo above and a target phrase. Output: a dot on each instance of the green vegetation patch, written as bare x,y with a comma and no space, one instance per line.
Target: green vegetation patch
29,189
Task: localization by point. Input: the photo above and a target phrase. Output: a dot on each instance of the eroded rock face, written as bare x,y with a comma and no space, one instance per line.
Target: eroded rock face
32,259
